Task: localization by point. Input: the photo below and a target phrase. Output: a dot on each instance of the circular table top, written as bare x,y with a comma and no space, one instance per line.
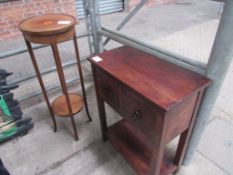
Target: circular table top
47,24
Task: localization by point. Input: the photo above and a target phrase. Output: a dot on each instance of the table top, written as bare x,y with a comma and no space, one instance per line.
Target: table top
47,24
163,83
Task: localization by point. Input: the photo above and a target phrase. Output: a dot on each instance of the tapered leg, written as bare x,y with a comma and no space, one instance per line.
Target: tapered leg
101,107
35,65
185,136
63,85
158,146
81,76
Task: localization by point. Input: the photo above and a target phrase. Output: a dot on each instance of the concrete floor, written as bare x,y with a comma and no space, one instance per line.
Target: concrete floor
43,152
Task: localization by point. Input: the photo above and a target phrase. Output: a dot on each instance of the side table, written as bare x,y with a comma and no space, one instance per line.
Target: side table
52,29
157,101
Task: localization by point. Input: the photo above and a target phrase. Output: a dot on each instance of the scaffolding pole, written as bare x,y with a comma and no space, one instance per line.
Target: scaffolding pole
217,68
93,7
39,46
87,24
190,64
128,17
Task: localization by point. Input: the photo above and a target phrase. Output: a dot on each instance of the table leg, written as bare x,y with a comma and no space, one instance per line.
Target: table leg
81,75
63,84
158,146
101,107
185,136
36,67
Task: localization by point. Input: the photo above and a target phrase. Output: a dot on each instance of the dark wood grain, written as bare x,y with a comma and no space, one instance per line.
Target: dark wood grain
163,83
185,136
179,117
101,106
108,88
136,149
137,112
157,100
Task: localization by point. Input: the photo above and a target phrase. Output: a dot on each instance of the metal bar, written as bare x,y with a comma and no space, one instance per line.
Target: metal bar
217,68
151,49
87,24
95,25
57,86
52,69
128,17
24,49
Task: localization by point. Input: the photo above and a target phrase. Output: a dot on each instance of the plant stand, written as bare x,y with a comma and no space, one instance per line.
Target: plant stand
52,29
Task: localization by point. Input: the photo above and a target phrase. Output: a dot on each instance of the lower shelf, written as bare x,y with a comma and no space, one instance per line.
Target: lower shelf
60,106
133,146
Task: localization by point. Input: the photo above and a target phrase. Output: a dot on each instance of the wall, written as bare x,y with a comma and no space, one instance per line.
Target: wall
11,13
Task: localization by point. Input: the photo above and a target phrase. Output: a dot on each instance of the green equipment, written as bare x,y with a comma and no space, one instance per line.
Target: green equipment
4,107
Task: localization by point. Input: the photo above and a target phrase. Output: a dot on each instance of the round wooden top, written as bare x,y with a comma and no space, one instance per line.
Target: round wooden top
47,24
60,106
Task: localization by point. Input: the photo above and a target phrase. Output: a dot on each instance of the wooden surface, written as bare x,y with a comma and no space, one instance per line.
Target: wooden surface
47,24
136,149
60,106
157,100
108,88
163,83
51,29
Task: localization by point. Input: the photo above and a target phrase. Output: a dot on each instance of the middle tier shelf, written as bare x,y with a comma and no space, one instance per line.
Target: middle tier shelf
60,106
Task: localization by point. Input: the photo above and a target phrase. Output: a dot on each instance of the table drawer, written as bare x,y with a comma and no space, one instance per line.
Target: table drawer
137,112
108,88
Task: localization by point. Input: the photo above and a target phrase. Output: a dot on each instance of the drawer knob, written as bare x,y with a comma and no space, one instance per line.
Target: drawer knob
137,115
106,90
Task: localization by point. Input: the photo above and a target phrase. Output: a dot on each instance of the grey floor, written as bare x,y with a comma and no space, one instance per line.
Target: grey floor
43,152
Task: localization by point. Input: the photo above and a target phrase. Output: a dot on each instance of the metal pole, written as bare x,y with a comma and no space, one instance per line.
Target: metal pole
51,88
153,50
24,49
217,68
51,69
87,23
128,17
93,6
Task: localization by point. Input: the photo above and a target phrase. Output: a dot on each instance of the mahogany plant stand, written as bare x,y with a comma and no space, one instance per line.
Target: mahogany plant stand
52,29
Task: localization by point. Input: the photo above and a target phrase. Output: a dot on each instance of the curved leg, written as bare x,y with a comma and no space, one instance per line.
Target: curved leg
41,83
81,76
63,85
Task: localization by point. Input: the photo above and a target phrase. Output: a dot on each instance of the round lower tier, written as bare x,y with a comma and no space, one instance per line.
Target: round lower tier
60,106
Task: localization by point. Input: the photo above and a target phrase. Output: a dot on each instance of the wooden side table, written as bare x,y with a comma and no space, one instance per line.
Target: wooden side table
157,101
52,29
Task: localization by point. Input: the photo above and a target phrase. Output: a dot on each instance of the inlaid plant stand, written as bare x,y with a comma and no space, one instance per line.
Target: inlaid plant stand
52,29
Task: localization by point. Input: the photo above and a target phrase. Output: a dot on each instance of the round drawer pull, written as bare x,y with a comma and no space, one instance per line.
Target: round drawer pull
106,90
137,115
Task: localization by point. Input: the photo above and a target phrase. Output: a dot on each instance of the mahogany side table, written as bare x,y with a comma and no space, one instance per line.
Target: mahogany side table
157,102
52,29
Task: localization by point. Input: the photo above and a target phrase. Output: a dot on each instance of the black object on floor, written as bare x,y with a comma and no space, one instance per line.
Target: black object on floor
3,170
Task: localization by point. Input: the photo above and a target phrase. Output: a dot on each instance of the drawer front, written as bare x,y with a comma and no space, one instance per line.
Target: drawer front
137,112
107,87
